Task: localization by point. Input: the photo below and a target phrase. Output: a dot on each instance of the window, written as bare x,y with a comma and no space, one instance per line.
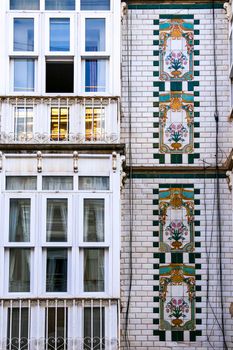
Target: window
56,220
101,5
18,328
21,183
24,74
23,34
19,270
56,327
19,226
57,183
59,34
94,270
56,270
59,123
95,34
98,183
94,327
95,75
24,4
95,124
93,220
60,76
23,123
60,5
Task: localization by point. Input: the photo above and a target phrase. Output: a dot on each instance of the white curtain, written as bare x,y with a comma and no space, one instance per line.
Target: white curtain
56,220
93,220
57,183
21,183
19,272
94,270
19,220
98,183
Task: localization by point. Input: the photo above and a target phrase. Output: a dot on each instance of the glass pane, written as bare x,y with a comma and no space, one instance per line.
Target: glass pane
60,5
94,326
23,124
56,272
57,183
59,124
24,74
93,270
17,326
19,270
98,183
59,34
21,183
60,76
93,220
56,226
95,5
95,34
24,4
23,34
19,220
95,75
56,327
95,124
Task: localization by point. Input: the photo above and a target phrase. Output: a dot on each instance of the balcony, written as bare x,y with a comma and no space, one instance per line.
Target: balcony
55,324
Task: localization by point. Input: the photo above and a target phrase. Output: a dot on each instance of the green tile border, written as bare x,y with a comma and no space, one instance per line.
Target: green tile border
193,6
138,175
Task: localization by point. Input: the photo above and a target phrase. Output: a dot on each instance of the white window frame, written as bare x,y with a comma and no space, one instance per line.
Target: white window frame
107,75
26,93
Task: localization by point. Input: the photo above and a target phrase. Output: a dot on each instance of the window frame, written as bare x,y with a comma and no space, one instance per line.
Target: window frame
12,69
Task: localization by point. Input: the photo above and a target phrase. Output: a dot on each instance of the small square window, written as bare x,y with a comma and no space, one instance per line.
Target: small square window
23,34
99,5
24,74
59,34
56,271
68,5
95,75
24,4
23,123
95,34
59,124
60,76
94,270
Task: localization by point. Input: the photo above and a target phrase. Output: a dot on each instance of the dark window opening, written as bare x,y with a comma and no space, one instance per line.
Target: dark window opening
60,76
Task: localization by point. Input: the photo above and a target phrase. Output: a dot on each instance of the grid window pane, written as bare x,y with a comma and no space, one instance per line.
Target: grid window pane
98,183
94,327
94,124
21,183
17,328
56,271
24,74
95,34
93,220
24,4
94,270
23,123
57,183
19,270
19,221
60,5
59,34
95,75
56,225
23,34
56,327
59,124
100,5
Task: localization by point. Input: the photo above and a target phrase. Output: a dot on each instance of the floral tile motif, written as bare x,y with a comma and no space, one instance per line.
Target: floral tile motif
176,49
177,297
176,122
176,220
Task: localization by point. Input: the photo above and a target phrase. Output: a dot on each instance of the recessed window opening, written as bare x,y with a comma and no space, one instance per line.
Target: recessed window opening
60,76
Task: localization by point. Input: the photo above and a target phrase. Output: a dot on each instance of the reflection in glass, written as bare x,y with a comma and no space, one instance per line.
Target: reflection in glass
59,123
94,270
94,327
100,5
97,183
21,183
23,127
24,4
95,124
23,34
95,34
56,271
19,270
95,76
19,220
93,220
56,226
24,74
56,327
17,328
57,183
59,34
60,5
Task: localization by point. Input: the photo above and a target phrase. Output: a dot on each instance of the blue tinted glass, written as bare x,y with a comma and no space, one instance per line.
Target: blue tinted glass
24,4
101,5
95,75
24,74
95,34
60,5
59,34
23,34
